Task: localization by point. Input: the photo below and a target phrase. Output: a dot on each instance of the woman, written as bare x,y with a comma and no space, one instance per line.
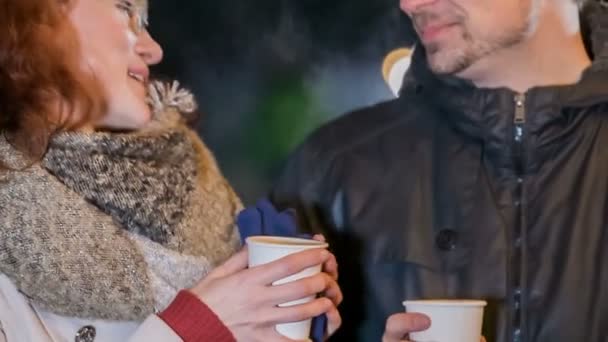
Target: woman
109,205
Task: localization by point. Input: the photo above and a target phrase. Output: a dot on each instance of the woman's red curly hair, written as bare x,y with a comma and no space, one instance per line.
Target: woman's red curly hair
43,86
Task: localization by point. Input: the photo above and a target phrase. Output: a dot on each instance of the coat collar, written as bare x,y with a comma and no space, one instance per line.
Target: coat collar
488,114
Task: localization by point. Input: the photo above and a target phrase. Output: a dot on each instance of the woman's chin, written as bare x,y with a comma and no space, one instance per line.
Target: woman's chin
127,120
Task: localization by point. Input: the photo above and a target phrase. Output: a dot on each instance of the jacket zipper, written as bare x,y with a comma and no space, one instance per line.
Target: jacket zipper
518,267
520,117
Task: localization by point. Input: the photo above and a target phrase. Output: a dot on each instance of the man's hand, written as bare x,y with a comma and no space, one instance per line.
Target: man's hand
399,326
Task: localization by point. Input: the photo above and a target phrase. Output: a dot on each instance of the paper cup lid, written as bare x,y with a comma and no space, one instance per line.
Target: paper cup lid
284,242
446,302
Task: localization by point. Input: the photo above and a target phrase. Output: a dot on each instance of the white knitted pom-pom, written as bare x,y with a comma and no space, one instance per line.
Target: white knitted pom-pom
164,96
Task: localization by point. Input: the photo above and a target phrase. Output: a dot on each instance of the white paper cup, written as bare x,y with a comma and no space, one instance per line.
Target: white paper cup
265,249
451,320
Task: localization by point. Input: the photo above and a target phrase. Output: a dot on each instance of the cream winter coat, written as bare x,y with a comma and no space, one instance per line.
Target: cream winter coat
21,321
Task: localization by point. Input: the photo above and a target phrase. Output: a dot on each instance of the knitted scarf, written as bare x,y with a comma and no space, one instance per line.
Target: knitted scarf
110,225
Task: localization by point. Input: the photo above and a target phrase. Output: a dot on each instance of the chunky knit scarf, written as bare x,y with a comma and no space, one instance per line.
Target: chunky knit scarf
111,226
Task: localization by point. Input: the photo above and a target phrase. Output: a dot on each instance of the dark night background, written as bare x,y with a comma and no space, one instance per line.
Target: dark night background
266,73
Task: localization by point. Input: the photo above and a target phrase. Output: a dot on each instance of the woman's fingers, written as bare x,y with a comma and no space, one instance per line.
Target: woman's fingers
289,265
331,267
301,312
319,237
234,264
309,286
333,292
334,321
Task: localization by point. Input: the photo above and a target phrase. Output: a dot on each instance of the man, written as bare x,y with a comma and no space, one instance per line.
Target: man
487,178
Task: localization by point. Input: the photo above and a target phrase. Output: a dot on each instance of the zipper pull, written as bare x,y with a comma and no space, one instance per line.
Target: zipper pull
520,109
520,116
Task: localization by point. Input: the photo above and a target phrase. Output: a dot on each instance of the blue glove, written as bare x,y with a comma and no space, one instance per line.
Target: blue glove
264,219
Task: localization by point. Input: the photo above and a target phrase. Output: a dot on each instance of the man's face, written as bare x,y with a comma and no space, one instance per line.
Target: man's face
458,33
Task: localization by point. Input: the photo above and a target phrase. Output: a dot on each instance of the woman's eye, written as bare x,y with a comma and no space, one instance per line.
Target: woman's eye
136,22
126,7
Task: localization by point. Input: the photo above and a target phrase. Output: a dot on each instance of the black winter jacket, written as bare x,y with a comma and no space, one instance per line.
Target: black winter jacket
456,192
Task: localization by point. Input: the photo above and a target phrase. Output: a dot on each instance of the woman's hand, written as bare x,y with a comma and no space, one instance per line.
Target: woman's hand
330,266
247,303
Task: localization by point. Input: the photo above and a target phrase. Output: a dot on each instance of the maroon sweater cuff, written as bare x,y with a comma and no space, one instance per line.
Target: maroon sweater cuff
194,321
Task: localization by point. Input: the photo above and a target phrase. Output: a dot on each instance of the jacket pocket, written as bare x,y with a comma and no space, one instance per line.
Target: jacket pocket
437,249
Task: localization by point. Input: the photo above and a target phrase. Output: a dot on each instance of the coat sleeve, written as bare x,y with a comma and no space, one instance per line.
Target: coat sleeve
2,335
186,319
311,184
299,187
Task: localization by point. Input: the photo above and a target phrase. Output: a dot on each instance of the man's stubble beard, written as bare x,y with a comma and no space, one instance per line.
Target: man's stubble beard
451,61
